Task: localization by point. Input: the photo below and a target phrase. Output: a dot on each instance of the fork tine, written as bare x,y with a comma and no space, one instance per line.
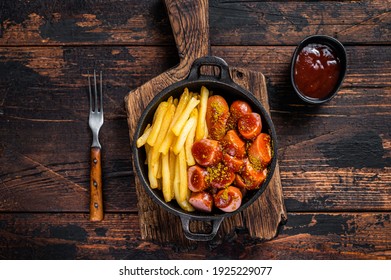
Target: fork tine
101,93
96,93
90,90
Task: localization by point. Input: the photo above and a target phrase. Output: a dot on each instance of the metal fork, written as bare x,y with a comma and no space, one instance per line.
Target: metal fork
95,122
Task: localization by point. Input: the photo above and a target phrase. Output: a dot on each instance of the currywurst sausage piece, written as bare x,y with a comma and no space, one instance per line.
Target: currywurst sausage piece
196,176
250,125
250,178
217,113
260,151
202,201
229,199
206,152
233,145
237,109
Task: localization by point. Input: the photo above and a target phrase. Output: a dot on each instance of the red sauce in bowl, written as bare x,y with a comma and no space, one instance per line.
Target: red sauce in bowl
317,70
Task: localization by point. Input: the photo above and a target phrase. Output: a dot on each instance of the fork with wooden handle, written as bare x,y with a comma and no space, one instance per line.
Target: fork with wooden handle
95,122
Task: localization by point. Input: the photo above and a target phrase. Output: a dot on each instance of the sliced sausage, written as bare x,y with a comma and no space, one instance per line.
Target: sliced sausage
250,125
260,151
217,113
239,182
233,145
233,163
202,201
196,178
219,176
250,178
237,109
228,199
206,152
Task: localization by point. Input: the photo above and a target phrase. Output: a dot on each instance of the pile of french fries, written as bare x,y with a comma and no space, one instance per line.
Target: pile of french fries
176,125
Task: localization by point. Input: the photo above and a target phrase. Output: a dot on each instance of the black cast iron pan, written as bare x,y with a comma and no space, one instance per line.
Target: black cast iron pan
223,85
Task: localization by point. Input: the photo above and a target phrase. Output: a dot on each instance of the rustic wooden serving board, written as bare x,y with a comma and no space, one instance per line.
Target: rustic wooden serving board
189,21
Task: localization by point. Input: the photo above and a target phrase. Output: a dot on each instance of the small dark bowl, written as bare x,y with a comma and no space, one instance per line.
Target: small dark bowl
231,91
339,51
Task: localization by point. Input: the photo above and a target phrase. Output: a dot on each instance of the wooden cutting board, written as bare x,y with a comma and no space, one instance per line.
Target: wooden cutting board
190,25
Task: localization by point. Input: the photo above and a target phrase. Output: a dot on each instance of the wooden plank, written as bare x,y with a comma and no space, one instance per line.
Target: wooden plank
47,100
367,65
288,22
130,66
333,236
46,22
306,236
337,166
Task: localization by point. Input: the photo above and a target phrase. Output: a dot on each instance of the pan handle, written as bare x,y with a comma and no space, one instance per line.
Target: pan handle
200,236
195,73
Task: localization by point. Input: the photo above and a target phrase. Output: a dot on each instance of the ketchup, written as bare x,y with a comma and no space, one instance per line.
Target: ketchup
316,72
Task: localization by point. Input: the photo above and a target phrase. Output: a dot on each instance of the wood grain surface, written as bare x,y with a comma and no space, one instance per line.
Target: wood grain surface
233,22
306,236
335,160
96,198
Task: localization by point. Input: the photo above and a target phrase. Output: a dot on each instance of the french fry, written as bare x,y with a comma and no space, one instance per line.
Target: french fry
190,139
183,100
169,117
159,168
194,114
168,193
176,179
152,171
172,164
159,184
182,176
185,205
189,207
180,141
156,156
180,123
147,148
169,139
143,138
201,124
157,123
170,100
164,128
154,161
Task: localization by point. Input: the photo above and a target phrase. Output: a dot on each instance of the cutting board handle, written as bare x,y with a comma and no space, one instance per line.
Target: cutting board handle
190,25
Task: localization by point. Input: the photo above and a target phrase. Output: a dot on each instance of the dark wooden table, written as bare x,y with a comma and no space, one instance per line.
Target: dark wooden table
335,159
